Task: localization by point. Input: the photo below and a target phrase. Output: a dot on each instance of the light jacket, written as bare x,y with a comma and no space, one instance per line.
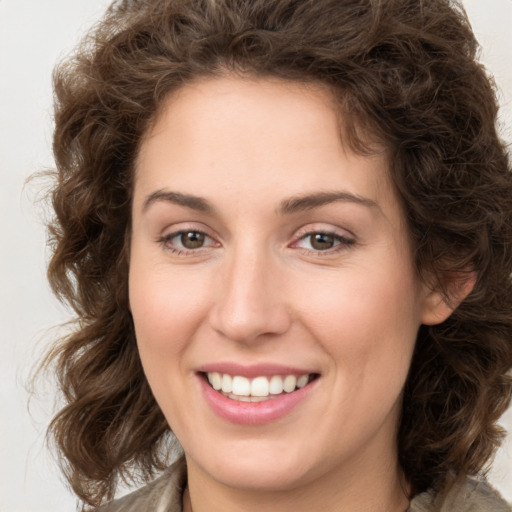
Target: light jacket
165,495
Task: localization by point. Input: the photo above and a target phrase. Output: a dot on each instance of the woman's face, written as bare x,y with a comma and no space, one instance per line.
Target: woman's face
265,254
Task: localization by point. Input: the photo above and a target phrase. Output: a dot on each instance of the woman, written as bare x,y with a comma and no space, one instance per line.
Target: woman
285,228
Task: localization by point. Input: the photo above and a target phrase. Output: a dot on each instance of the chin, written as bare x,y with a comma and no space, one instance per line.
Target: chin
265,477
256,468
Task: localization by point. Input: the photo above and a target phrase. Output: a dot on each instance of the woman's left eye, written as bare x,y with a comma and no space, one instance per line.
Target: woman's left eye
323,241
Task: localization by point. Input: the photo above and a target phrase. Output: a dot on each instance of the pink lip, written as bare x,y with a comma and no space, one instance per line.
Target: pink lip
254,413
254,370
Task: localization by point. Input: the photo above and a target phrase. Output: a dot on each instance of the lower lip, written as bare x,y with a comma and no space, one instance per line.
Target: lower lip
254,413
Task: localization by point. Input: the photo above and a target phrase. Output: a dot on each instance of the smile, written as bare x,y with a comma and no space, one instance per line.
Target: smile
255,394
258,389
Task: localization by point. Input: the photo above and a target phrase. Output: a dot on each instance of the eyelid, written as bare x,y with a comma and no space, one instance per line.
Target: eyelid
180,227
323,228
344,237
173,231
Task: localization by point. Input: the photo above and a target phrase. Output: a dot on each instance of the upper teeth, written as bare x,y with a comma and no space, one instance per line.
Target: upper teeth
259,386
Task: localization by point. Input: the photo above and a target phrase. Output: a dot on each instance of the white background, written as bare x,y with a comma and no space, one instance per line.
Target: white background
34,34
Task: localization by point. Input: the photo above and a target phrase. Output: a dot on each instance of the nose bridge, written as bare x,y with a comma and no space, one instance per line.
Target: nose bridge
249,303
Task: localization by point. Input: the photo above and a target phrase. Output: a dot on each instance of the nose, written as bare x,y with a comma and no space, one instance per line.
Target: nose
249,303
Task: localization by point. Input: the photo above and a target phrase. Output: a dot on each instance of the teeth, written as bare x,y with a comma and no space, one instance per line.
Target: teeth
257,389
276,385
241,386
227,383
290,382
302,381
260,386
215,380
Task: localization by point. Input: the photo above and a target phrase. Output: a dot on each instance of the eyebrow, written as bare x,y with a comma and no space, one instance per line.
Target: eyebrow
315,200
287,206
188,200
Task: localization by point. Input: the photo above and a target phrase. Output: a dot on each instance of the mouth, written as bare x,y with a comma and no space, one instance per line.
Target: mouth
257,394
257,389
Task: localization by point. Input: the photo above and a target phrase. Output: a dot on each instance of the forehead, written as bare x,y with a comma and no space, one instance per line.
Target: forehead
247,104
270,135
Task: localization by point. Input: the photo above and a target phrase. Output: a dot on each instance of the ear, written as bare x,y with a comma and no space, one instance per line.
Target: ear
442,300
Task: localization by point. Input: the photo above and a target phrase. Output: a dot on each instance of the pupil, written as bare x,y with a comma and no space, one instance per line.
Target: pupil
322,241
192,239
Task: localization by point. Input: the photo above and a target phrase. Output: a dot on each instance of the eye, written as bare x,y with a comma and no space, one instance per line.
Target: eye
187,240
191,239
322,241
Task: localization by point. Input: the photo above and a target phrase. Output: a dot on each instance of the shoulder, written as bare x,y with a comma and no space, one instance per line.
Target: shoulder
163,494
469,495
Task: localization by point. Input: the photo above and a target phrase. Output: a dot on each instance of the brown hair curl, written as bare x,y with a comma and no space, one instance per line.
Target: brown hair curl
406,69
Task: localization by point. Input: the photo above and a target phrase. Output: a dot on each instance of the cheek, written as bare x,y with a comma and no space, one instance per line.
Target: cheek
167,312
166,307
367,323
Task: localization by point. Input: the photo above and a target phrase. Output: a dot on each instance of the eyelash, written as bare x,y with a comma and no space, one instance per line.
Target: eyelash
343,242
166,239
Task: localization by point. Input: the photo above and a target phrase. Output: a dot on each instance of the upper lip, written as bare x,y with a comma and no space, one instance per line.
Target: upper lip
253,370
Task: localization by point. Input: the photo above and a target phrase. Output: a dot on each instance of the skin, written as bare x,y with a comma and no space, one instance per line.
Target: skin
259,291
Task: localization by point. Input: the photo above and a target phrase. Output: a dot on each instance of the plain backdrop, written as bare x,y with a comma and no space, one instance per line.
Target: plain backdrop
34,34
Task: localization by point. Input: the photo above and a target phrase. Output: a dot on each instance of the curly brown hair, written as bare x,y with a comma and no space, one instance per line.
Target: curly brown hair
403,70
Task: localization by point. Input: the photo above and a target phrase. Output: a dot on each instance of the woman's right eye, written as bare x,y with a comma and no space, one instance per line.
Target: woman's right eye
187,240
